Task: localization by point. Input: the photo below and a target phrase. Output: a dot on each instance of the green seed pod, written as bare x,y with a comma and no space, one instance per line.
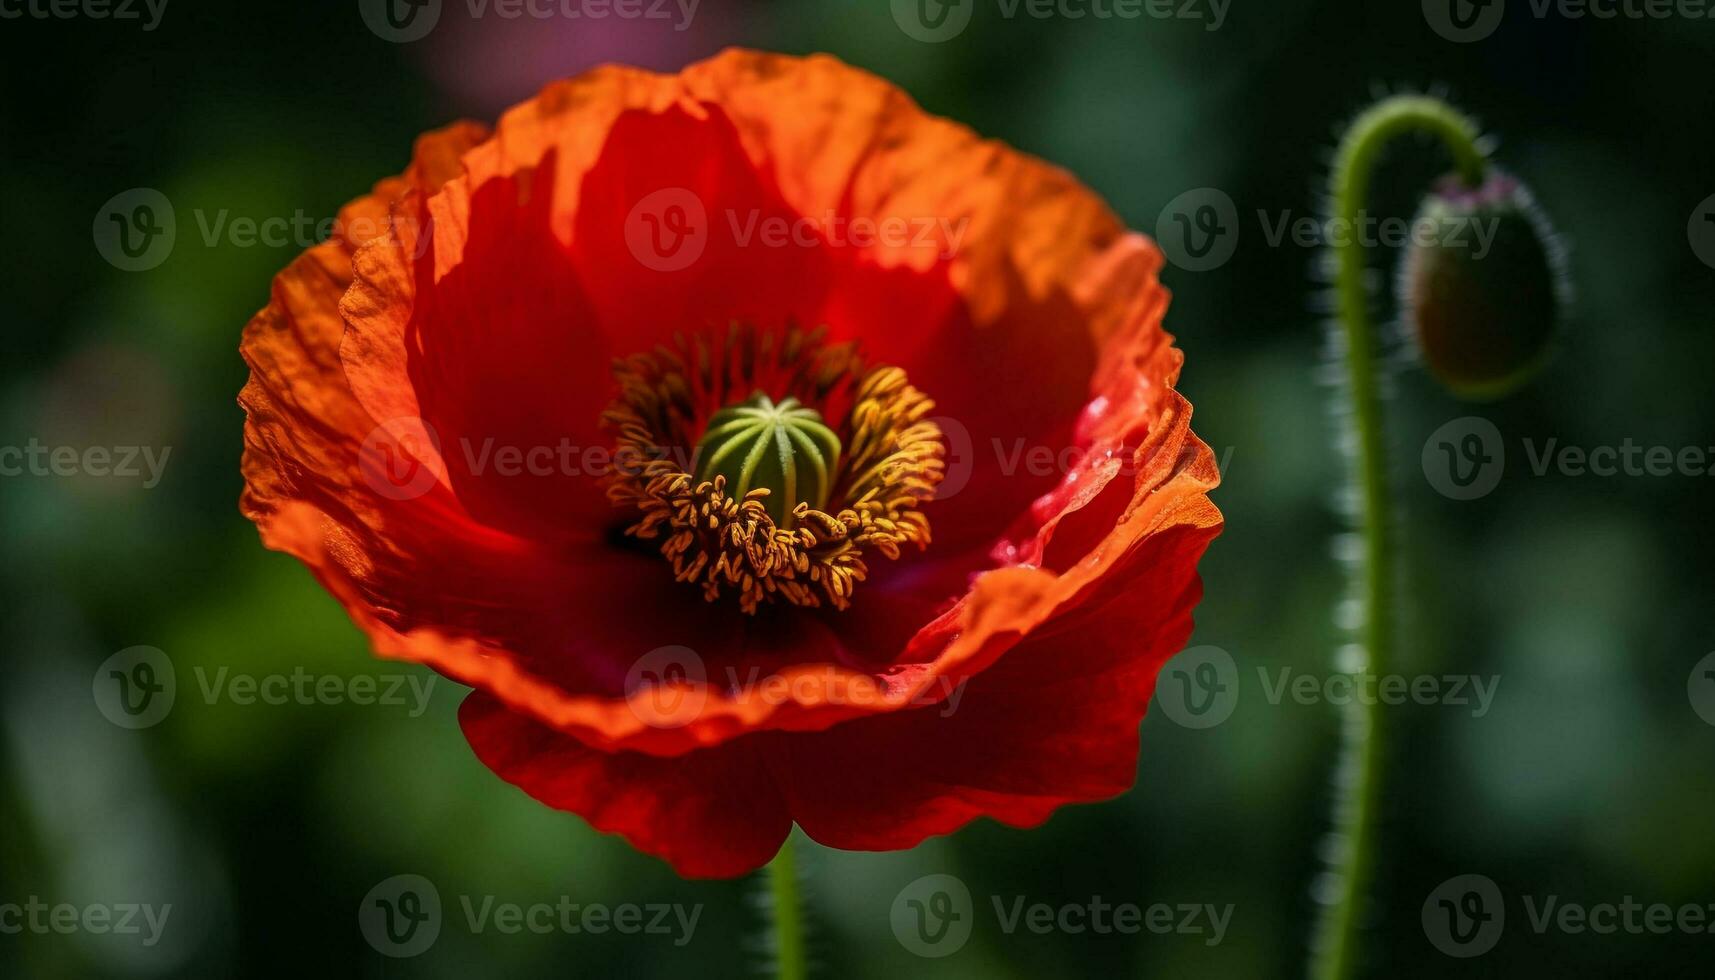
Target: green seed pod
1482,286
783,447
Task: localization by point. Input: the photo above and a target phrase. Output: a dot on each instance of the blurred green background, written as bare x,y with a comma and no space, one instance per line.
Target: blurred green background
1591,778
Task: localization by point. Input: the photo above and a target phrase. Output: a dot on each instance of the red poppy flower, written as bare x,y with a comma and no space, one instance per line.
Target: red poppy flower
954,532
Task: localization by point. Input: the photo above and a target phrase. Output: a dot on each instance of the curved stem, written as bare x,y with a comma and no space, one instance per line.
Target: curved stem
790,962
1337,944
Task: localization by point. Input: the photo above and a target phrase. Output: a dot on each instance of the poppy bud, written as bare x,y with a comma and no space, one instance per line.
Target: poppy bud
1482,285
781,446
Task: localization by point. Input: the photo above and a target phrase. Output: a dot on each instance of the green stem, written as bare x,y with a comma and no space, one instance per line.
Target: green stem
788,915
1337,944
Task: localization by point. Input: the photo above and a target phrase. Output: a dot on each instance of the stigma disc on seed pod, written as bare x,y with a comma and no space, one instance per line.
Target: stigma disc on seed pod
1483,285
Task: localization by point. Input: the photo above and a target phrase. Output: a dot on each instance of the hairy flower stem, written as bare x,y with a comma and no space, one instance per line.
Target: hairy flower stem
789,959
1336,945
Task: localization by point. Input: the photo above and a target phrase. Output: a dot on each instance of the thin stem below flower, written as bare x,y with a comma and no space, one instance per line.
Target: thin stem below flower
790,962
1358,786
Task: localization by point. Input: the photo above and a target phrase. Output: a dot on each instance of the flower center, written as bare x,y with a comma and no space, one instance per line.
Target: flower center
783,448
772,466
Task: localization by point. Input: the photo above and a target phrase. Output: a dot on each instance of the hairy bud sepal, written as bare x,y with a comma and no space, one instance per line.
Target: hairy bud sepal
1482,286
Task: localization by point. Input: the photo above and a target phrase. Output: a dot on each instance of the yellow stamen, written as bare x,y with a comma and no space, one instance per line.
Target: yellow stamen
893,461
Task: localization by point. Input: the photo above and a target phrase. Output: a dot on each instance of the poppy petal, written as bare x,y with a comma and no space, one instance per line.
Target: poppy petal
711,814
1054,722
